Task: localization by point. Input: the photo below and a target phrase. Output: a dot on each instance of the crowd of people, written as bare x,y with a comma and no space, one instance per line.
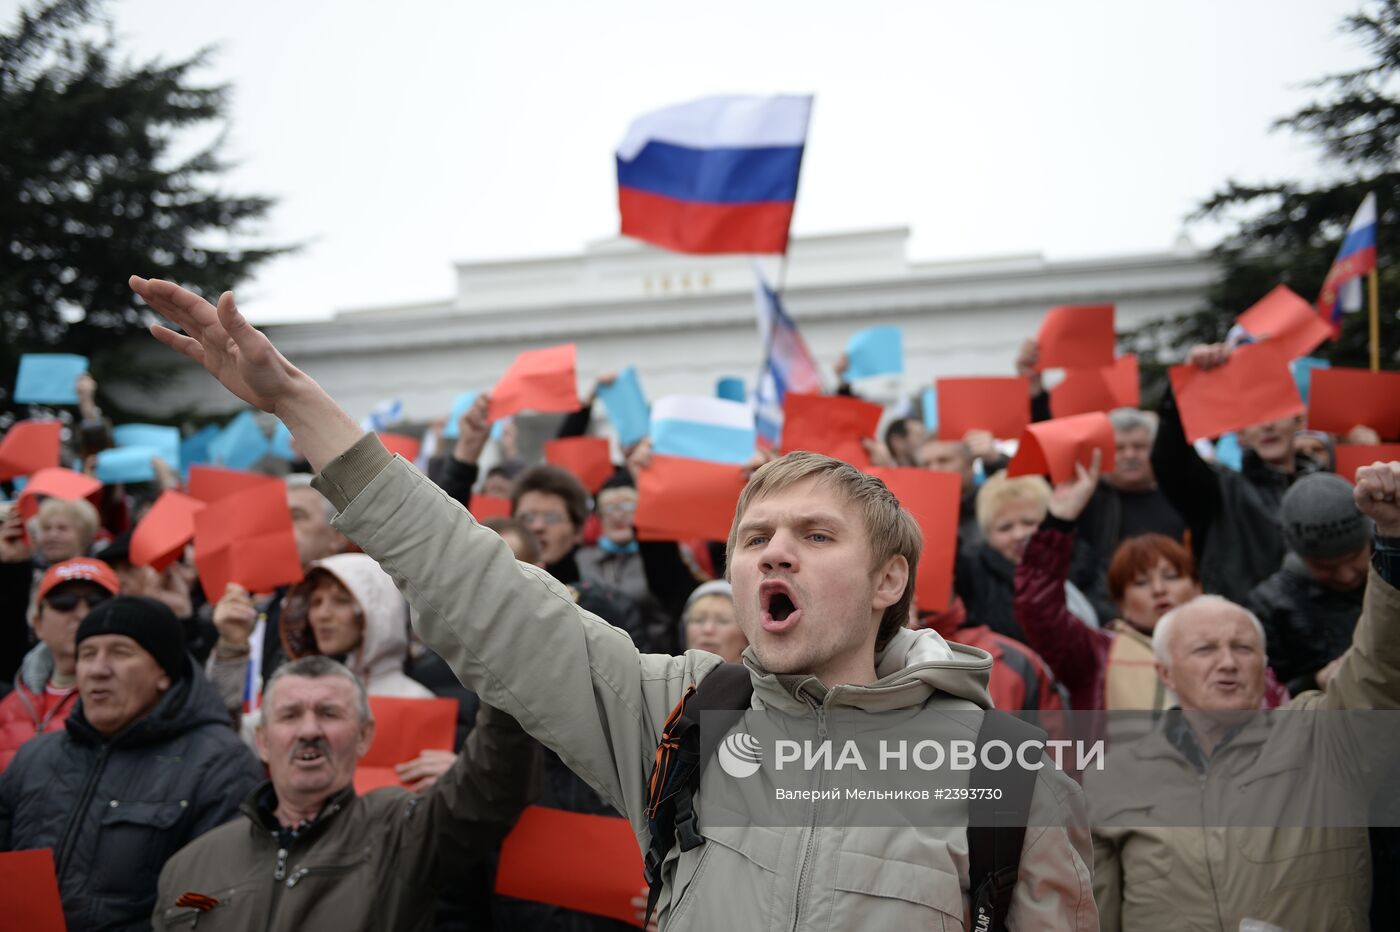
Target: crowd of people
190,758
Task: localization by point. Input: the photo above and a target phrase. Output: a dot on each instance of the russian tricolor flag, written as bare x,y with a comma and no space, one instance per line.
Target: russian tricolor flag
1356,257
716,175
788,365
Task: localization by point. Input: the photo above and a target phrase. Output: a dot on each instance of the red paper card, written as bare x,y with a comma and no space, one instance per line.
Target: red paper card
403,445
210,483
1086,390
999,404
56,483
163,533
1352,456
1255,386
246,538
933,499
587,863
588,458
539,380
1341,399
1053,447
403,728
28,447
489,506
678,499
1284,319
1077,336
29,896
831,424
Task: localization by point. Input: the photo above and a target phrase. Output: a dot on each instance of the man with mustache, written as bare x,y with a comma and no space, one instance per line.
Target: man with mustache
822,560
311,854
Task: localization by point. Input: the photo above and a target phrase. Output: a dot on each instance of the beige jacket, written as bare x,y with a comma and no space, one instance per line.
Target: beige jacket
577,684
1303,879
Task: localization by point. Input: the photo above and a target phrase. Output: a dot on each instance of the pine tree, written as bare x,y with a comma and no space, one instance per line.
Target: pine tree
1289,232
92,190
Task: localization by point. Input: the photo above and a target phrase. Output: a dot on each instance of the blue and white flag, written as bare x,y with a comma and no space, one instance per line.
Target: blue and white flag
702,428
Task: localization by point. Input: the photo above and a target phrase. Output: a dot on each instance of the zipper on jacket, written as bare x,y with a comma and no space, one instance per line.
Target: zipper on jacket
280,872
810,853
76,817
300,873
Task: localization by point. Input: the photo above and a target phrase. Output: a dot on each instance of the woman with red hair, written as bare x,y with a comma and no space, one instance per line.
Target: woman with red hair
1103,668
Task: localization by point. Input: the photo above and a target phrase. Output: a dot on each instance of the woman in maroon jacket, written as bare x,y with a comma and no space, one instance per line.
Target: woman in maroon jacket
1103,668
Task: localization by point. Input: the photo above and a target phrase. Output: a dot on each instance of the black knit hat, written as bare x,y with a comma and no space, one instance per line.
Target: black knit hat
147,622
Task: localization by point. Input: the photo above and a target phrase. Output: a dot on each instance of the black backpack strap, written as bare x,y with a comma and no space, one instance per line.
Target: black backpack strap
997,827
675,776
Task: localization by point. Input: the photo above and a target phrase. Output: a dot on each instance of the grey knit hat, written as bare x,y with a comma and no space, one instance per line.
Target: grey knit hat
1320,520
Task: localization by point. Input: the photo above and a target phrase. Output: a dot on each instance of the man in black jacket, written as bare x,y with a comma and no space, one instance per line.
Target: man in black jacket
147,763
1232,516
1309,607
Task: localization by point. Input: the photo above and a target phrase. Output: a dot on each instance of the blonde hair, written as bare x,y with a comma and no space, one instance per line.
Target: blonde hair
80,511
1000,490
891,529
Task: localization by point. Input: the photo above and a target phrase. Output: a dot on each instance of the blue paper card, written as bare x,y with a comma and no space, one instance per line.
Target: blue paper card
452,429
876,351
49,378
929,402
164,440
1228,452
282,443
241,444
120,465
1303,368
731,388
627,406
194,449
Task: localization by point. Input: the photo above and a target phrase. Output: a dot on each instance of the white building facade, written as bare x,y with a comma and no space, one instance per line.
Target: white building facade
686,321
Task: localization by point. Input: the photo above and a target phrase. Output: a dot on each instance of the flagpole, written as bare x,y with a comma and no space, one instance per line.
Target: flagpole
1375,290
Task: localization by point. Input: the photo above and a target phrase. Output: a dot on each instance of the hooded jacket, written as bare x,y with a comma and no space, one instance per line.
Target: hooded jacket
30,710
114,810
580,686
379,660
1307,624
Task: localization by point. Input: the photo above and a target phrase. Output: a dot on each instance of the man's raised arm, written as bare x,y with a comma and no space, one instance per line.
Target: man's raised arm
509,632
247,364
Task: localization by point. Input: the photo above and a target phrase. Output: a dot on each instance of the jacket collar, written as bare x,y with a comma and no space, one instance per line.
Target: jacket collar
261,806
910,669
1174,738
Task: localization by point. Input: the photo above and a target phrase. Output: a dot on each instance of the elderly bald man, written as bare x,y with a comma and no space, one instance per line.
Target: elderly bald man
1216,758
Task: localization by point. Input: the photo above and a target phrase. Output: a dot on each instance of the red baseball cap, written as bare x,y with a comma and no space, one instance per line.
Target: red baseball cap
84,569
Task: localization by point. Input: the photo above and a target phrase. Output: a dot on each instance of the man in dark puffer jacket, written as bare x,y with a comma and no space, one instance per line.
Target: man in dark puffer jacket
147,763
1309,607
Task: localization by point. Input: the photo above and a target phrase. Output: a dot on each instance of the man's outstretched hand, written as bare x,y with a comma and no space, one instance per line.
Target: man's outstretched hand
222,341
247,364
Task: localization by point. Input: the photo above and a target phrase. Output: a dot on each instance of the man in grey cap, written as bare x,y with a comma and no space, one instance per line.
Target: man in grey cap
1310,606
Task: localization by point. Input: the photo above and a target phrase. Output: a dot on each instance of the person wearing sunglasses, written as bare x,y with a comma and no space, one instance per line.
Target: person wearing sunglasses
46,688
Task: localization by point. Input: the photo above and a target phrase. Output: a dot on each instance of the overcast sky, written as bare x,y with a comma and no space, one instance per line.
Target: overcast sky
402,137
